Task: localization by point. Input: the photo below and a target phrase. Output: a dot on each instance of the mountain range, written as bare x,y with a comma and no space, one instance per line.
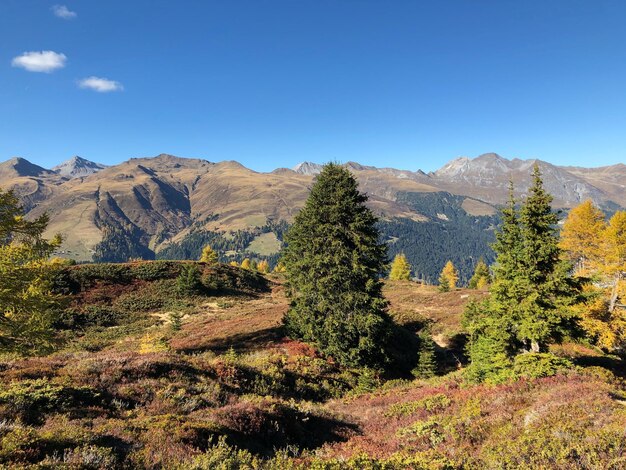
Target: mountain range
163,205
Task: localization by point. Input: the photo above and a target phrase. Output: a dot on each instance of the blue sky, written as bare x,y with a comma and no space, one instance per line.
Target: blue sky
407,84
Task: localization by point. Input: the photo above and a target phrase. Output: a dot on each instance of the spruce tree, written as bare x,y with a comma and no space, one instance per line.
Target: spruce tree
543,312
481,277
444,284
333,261
189,281
427,361
531,292
400,269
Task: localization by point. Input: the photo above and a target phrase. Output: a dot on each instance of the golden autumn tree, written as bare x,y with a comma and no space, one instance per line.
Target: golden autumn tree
581,236
27,304
246,264
599,249
209,255
400,269
263,267
448,278
615,254
279,268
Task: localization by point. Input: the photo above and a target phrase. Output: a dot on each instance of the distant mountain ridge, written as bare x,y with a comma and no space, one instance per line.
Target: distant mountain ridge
157,202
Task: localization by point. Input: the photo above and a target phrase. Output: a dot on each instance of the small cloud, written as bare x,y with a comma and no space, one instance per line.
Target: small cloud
62,11
101,85
43,61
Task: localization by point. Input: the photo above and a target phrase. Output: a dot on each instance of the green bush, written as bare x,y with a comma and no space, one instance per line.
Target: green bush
85,275
536,365
27,400
155,270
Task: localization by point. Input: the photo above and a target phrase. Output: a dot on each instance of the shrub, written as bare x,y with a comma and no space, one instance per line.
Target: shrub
155,270
431,403
27,400
536,365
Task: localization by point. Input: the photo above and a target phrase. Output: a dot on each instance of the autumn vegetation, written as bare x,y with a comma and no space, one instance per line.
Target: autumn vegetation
315,361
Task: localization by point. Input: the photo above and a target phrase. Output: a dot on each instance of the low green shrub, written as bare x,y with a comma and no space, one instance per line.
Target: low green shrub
29,399
155,270
537,365
431,403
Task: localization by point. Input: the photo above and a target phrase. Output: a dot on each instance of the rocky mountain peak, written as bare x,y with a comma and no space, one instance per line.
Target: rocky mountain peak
308,168
77,167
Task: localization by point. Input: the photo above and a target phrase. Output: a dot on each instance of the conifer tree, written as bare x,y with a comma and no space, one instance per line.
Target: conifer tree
448,278
333,260
615,254
481,277
279,268
444,284
209,255
427,361
188,281
581,236
263,267
543,313
400,269
27,305
531,294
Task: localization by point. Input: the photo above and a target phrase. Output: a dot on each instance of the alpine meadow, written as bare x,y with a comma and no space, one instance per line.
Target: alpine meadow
324,286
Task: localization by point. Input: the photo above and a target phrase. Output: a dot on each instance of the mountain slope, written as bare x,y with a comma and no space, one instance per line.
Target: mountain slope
156,202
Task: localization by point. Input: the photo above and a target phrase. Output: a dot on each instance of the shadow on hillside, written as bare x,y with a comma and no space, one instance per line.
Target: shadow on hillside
263,432
241,342
405,349
613,364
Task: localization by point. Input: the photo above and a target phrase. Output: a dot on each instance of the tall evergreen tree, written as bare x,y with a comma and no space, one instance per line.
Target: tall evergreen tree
531,293
333,261
544,315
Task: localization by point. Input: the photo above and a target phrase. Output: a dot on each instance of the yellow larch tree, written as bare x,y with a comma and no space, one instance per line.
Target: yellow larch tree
400,269
209,255
449,277
581,236
263,267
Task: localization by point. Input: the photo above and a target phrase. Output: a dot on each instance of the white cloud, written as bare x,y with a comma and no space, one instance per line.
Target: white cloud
63,12
43,61
101,85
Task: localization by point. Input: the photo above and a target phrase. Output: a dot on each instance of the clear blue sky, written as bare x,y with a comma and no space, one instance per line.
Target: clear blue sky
409,84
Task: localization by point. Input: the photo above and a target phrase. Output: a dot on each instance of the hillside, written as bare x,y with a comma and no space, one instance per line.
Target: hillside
167,206
128,389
